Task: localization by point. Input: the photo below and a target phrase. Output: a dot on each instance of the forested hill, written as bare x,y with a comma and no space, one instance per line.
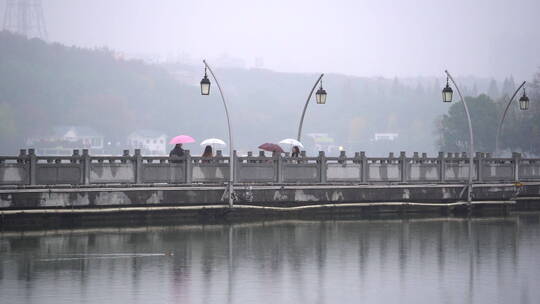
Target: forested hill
46,85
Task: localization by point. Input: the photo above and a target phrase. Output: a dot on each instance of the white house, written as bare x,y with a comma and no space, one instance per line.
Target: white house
149,141
64,139
385,136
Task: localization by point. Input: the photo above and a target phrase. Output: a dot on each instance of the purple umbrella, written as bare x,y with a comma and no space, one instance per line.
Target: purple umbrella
271,147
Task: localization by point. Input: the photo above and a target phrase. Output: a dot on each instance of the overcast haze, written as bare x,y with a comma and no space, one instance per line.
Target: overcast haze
363,38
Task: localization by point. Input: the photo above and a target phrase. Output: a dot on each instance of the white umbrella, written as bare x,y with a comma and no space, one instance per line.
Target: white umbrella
290,141
213,141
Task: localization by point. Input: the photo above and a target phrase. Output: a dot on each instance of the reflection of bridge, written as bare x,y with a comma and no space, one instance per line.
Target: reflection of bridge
81,180
463,251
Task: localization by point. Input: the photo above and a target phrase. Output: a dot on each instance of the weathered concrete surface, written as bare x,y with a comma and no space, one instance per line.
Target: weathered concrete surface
13,174
270,196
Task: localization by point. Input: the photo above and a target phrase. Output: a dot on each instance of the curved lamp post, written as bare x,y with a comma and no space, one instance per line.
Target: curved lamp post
523,105
447,97
321,99
205,90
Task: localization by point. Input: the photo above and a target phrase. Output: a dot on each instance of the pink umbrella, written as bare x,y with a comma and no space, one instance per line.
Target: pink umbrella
181,139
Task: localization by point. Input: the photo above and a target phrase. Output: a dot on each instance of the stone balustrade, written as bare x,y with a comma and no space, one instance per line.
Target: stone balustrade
83,169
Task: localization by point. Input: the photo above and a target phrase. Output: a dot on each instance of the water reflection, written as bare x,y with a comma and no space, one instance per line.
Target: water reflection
450,260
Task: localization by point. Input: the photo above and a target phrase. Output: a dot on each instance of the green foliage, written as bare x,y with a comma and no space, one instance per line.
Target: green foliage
520,131
454,130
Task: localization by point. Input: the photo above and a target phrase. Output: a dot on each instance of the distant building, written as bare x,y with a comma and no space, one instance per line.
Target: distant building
385,136
323,142
64,139
149,141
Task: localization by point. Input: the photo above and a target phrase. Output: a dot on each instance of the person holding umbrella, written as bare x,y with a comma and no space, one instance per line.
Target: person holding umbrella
295,152
207,154
177,151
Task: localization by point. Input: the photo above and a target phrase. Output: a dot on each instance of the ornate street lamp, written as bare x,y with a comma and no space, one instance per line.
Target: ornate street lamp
524,101
447,92
320,96
447,97
523,105
205,84
205,90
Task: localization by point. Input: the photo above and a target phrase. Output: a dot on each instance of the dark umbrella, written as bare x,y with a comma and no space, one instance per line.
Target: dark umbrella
271,147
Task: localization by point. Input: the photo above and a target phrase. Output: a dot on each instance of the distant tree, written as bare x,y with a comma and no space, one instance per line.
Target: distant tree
493,90
474,91
508,86
453,127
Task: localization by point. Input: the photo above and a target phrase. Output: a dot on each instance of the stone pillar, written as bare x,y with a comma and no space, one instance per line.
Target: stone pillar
516,158
364,168
22,156
85,160
480,166
322,167
75,157
125,156
403,165
356,159
138,165
442,167
279,169
188,166
342,157
236,164
32,161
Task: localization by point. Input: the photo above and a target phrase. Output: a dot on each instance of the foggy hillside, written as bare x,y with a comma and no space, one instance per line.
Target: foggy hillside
47,85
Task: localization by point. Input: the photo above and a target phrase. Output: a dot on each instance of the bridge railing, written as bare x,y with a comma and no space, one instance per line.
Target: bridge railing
83,169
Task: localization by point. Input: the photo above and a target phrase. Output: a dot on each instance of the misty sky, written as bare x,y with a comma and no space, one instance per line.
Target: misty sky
487,38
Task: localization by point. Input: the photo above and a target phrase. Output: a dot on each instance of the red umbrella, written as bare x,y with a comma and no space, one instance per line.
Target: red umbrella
271,147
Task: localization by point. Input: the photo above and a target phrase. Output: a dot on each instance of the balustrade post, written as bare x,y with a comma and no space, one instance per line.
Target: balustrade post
32,158
403,165
22,156
480,169
85,161
342,159
279,169
236,165
356,159
138,165
188,165
322,167
516,159
364,168
442,167
76,159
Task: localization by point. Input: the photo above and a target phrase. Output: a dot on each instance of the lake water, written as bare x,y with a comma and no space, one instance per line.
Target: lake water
429,260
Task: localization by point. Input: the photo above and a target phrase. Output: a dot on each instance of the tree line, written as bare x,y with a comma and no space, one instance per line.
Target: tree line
520,131
43,85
